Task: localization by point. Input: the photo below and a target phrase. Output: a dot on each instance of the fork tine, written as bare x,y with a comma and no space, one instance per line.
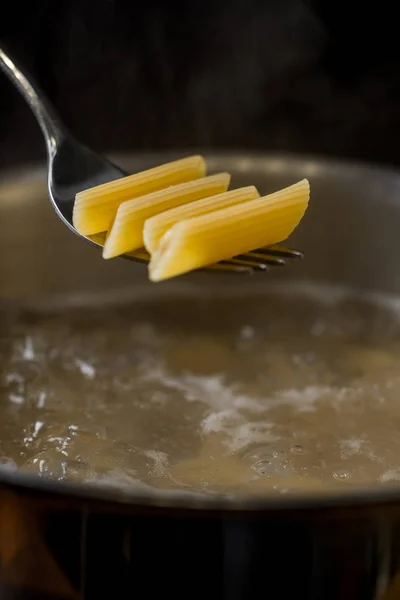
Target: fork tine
244,261
263,258
280,251
228,267
257,260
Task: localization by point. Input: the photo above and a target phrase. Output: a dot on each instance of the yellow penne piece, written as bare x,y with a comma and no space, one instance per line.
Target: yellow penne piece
204,240
155,227
126,233
141,254
98,238
95,208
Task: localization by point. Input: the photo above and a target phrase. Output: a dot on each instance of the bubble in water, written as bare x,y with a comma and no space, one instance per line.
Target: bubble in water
16,398
247,332
278,454
297,449
263,467
28,352
87,370
246,339
158,397
342,475
318,328
350,447
124,382
256,453
41,400
47,464
77,469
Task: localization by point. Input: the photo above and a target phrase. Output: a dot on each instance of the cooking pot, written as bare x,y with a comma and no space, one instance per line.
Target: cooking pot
61,540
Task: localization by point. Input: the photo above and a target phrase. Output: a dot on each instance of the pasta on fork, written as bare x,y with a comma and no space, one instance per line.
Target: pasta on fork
95,208
201,241
178,219
157,226
126,232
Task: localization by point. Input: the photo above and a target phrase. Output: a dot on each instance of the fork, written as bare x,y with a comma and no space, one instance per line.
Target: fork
72,167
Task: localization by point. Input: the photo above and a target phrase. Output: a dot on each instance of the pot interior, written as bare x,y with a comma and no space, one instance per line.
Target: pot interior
280,383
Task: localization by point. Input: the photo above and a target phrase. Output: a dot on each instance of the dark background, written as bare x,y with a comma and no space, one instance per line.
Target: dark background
309,76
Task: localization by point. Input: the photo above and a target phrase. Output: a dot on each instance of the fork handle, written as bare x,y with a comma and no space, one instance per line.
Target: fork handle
52,128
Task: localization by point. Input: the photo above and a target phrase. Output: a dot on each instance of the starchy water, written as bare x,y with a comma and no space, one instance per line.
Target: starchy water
275,392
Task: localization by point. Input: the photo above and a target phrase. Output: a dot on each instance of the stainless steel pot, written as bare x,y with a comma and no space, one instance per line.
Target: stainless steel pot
73,541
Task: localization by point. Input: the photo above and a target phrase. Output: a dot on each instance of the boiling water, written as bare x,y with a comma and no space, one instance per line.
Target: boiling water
274,392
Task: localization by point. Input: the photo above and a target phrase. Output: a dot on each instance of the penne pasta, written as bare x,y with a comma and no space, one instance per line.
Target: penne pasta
98,238
141,254
207,239
155,227
126,233
95,208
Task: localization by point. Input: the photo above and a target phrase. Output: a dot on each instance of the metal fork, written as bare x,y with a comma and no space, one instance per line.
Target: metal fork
72,167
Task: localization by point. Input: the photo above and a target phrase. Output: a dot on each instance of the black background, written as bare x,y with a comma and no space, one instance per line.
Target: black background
318,76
